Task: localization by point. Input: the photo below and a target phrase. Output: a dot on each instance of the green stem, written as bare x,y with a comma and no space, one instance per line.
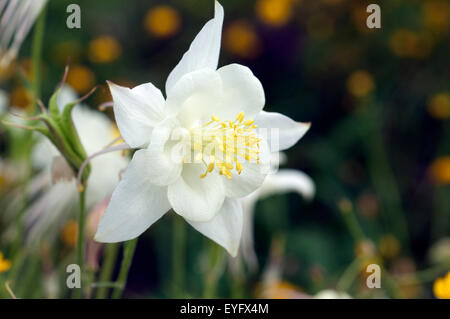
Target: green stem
128,253
110,254
80,244
348,213
178,256
349,275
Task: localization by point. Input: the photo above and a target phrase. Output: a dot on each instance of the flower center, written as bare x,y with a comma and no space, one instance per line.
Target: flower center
224,145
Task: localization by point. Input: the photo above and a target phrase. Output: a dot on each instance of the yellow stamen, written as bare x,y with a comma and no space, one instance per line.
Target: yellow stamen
225,144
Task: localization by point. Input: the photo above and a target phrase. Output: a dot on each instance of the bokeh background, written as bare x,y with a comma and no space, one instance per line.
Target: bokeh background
378,149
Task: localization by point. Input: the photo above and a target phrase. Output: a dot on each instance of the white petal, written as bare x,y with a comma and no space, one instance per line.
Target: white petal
137,111
288,180
135,204
163,167
203,52
252,175
281,131
242,92
195,97
194,198
248,181
226,227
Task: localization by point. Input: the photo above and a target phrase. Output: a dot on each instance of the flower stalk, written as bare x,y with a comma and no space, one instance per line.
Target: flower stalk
128,253
110,253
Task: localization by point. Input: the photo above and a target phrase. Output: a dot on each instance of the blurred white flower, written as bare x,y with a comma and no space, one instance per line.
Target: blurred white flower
16,19
60,195
332,294
201,146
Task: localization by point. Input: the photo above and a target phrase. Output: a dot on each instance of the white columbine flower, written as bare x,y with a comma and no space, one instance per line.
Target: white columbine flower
16,19
202,148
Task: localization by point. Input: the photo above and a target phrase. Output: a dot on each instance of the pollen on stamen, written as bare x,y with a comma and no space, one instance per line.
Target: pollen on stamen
223,145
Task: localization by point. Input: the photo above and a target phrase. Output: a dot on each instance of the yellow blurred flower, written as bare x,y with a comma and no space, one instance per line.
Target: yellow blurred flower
20,97
436,15
439,106
80,78
440,170
162,21
389,246
5,264
441,287
104,49
360,83
409,44
69,234
275,13
241,39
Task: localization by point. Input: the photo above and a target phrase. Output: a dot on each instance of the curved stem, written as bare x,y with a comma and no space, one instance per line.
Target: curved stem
128,253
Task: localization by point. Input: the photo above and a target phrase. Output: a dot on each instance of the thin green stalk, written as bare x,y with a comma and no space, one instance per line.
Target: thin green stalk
347,211
80,244
350,275
128,253
178,256
110,255
216,255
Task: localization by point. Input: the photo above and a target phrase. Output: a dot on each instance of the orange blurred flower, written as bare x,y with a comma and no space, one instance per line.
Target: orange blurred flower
439,106
20,98
104,49
5,264
241,39
275,13
440,170
162,21
69,234
81,78
360,83
441,287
